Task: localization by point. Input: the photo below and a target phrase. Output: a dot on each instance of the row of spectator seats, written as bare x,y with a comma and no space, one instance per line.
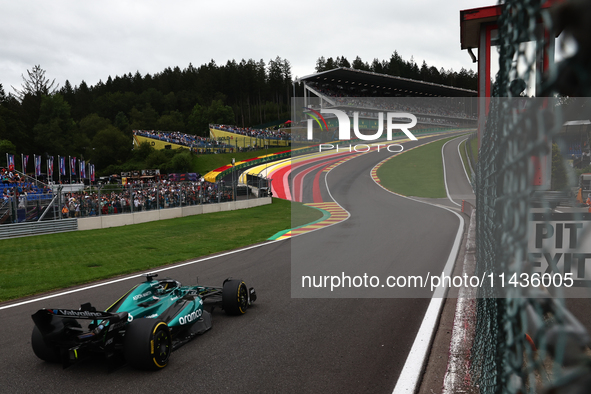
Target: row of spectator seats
575,149
33,191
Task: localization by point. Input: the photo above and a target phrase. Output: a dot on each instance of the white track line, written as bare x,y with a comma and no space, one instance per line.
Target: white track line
409,378
452,382
468,158
462,161
445,175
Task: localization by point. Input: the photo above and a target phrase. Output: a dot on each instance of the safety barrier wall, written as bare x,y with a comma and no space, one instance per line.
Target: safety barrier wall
98,222
107,221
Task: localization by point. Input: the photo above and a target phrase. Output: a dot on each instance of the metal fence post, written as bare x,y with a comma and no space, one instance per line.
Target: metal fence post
59,202
131,189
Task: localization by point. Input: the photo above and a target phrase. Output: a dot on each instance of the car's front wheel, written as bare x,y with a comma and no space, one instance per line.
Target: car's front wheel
235,299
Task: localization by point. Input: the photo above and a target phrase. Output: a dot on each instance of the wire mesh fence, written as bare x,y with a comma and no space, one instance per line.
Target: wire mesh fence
527,340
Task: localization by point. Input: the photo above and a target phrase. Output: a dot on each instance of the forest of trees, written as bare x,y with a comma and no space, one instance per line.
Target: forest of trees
95,122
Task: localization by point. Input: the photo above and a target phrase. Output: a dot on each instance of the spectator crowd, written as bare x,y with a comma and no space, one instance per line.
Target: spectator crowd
176,137
143,196
278,134
15,186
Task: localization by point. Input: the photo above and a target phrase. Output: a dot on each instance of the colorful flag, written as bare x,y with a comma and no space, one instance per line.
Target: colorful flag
82,169
50,167
10,162
92,172
25,161
72,166
62,164
37,165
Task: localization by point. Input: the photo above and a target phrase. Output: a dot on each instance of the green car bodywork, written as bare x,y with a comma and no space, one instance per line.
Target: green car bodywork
141,328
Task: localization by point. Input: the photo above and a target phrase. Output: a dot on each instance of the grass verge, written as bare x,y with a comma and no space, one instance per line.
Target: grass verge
417,173
465,158
32,265
474,147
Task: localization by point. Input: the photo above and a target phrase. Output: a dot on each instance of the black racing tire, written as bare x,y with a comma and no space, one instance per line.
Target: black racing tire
148,344
42,350
235,297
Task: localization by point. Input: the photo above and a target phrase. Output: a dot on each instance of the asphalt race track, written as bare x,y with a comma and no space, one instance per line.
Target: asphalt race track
282,344
385,235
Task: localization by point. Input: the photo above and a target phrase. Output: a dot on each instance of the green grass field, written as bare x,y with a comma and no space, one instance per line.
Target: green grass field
474,147
41,263
465,158
416,173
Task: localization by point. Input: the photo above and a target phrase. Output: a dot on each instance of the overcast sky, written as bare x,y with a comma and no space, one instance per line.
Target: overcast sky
92,40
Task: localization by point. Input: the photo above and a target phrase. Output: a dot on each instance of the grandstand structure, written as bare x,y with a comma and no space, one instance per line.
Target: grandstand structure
361,83
248,137
369,93
26,192
177,140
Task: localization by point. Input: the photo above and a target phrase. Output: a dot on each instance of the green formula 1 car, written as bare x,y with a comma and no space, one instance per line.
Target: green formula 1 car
141,328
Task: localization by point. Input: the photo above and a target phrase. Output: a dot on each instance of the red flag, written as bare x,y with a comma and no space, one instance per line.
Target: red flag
10,162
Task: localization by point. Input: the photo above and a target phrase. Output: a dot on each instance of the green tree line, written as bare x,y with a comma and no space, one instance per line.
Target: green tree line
95,122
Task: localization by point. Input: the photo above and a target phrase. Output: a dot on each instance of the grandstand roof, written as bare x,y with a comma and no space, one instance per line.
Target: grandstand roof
408,87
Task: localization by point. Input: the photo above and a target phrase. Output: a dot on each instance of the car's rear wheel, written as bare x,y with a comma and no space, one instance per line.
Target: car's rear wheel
42,350
148,344
235,297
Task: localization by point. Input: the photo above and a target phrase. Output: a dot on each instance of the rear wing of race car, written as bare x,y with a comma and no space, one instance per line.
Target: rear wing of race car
45,319
60,336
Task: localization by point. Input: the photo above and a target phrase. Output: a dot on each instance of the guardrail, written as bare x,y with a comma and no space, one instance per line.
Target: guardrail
36,228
